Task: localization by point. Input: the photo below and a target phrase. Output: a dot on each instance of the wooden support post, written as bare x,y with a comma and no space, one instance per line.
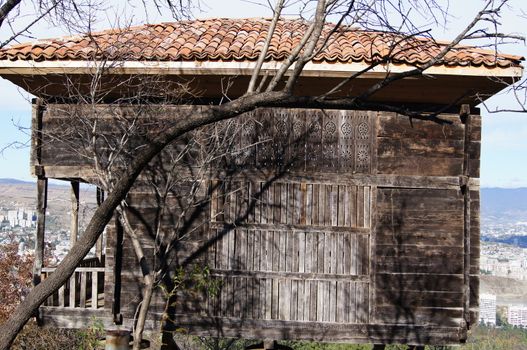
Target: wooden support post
42,194
465,190
99,244
74,228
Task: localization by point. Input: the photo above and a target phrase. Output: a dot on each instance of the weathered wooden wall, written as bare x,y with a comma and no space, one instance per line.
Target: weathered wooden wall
334,225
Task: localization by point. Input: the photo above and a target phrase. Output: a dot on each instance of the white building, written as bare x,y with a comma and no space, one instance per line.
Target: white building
21,217
487,309
517,316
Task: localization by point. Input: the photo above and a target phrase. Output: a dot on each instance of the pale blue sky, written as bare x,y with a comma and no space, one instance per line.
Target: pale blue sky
503,159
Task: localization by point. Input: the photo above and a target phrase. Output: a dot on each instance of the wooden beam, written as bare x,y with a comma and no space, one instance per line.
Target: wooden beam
465,189
74,228
36,134
42,194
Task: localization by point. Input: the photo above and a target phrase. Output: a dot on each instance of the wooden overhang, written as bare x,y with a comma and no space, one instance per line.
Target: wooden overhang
204,53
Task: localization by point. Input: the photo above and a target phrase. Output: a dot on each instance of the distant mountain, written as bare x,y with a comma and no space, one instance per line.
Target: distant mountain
4,181
504,205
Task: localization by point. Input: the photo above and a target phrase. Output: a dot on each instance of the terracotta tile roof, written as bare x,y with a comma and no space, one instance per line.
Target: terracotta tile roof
242,39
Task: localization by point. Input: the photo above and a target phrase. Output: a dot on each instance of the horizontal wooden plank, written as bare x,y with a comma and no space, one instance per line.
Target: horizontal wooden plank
432,265
419,251
445,317
320,331
409,299
423,166
291,275
425,235
411,147
419,281
396,126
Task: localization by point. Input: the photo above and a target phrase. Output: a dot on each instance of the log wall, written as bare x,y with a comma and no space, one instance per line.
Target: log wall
334,225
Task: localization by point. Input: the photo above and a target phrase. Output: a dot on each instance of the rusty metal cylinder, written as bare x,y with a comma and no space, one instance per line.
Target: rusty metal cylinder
117,339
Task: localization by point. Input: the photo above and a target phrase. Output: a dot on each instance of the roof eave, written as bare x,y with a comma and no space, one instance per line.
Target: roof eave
233,68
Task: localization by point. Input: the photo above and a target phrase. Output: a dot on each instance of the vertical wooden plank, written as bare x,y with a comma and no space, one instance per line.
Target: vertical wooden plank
340,206
322,204
283,299
99,249
334,197
42,200
73,288
301,251
316,204
295,307
251,265
308,252
232,249
367,206
275,302
61,296
353,205
213,200
465,191
276,251
257,251
334,252
291,203
363,307
328,205
333,301
311,295
227,297
268,298
233,201
74,225
244,201
321,301
268,249
244,257
339,253
288,250
360,255
277,202
321,252
294,235
346,206
354,255
308,204
353,303
346,249
94,288
303,301
371,253
261,204
83,283
302,203
238,296
360,206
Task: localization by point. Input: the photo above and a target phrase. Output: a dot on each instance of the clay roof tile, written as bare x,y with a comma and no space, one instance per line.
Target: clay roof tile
243,39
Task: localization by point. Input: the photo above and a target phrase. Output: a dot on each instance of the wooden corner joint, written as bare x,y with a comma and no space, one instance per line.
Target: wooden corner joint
39,171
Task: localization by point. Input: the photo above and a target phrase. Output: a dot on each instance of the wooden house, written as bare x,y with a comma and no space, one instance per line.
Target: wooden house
337,225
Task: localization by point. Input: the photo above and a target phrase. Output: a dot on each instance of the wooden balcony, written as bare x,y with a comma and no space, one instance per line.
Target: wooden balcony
80,300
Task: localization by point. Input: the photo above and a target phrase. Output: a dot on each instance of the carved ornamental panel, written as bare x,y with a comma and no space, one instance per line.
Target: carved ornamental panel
307,140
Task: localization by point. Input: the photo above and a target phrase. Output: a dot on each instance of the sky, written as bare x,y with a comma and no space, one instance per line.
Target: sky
504,135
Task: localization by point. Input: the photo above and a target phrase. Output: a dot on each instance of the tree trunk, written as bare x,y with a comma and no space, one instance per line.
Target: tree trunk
191,120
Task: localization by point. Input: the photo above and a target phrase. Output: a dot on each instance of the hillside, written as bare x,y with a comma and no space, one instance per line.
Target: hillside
21,194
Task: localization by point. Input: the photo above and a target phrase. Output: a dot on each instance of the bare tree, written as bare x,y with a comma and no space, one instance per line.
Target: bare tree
392,16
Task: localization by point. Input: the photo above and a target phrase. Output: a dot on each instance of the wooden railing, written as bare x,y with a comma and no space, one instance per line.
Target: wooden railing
84,289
